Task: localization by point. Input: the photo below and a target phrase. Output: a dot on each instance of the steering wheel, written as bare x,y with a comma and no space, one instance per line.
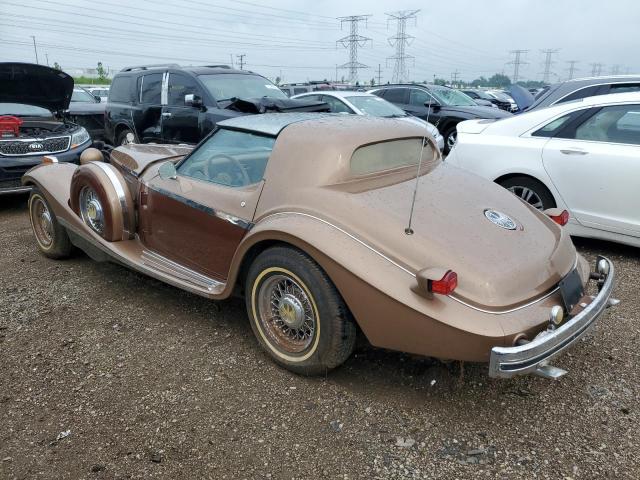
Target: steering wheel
243,175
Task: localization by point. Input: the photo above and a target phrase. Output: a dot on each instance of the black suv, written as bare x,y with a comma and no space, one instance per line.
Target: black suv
173,104
442,106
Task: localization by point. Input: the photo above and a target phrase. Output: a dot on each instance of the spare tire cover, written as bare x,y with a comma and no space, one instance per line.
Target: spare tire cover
113,195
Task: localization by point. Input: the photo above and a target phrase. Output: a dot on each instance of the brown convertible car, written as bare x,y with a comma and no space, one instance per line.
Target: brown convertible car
327,222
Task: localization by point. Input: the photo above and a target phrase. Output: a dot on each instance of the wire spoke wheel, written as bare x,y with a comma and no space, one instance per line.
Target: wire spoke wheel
528,195
286,314
42,222
91,209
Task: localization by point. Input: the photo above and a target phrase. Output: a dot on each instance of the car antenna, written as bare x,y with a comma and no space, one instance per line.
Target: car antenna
409,230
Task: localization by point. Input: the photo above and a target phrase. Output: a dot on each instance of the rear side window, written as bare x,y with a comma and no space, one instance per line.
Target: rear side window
151,88
554,127
121,90
395,95
382,156
624,87
579,94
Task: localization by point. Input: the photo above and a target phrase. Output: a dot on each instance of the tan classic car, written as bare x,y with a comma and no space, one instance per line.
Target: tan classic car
326,222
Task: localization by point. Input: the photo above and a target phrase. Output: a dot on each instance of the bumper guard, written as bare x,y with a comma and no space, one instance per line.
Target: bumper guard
534,356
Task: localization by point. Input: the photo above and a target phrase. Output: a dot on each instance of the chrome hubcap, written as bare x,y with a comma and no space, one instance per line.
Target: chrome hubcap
91,209
286,313
42,222
528,195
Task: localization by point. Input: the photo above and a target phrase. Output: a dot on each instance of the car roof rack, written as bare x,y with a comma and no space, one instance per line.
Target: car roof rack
147,67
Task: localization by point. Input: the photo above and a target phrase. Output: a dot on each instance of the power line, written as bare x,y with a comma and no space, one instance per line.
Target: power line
401,40
572,68
548,62
516,62
352,42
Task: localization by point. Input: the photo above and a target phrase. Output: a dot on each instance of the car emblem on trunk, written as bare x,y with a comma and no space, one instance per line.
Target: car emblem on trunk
36,146
500,219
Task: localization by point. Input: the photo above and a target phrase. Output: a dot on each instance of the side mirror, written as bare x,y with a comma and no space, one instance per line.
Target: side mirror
192,100
98,99
167,171
434,106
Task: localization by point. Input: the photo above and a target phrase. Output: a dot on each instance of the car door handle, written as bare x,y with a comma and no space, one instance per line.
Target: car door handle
166,114
573,151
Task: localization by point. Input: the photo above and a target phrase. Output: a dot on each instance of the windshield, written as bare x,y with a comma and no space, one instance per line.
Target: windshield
229,85
22,110
375,106
451,97
82,96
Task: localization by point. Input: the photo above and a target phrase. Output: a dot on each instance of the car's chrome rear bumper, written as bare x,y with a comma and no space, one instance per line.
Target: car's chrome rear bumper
534,356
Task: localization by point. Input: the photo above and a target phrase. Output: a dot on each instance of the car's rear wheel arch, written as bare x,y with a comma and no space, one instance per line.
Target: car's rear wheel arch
507,178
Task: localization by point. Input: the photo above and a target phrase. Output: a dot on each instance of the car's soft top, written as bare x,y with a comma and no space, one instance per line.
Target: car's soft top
35,85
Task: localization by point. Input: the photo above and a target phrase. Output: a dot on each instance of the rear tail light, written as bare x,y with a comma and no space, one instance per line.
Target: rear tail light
561,219
446,285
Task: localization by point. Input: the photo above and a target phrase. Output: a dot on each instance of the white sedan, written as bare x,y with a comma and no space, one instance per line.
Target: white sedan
581,156
363,103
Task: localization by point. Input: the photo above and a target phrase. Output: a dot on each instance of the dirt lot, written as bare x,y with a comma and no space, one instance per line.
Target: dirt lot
107,374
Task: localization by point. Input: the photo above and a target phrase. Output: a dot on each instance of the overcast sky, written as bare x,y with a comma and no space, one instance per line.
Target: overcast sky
297,39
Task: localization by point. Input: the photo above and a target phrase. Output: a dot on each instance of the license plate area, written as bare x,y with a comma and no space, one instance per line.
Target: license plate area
571,290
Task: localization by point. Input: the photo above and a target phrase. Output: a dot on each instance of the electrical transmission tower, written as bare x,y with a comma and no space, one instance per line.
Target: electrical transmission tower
548,63
352,42
572,68
615,70
401,41
454,78
596,69
516,62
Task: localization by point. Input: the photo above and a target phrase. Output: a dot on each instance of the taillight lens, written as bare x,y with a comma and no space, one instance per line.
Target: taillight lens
446,285
562,219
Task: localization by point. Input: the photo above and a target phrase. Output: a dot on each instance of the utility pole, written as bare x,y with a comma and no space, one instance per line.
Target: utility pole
516,62
454,78
352,42
548,62
35,49
241,59
47,55
596,69
379,74
572,68
401,40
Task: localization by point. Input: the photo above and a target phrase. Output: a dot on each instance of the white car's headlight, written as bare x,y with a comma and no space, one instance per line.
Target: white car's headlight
79,137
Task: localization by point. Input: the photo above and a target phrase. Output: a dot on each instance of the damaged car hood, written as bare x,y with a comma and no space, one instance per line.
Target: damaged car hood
268,104
37,85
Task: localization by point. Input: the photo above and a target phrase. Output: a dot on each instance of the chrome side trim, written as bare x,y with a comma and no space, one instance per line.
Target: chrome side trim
14,190
122,198
227,217
532,357
147,269
163,264
353,237
406,270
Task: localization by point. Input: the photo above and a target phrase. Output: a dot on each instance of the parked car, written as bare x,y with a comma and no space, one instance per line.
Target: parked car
101,92
292,89
173,104
363,103
86,109
582,156
579,88
476,95
315,218
504,97
33,99
442,106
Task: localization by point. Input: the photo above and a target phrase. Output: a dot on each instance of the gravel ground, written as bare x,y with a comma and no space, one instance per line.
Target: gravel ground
107,374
